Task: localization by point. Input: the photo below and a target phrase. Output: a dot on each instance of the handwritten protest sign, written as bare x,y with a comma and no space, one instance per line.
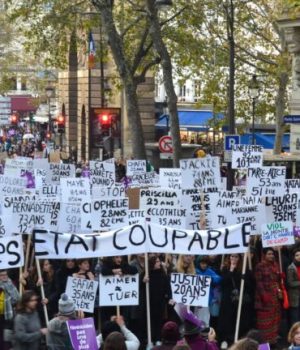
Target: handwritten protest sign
135,167
229,209
200,172
70,218
83,292
119,290
11,252
190,289
109,213
163,207
195,204
283,208
136,216
58,171
144,180
104,192
12,186
102,173
170,178
14,165
292,186
75,190
138,239
277,234
82,334
266,181
247,156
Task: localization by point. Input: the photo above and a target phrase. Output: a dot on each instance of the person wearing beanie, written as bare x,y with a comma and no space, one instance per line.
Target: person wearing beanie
58,335
169,336
117,324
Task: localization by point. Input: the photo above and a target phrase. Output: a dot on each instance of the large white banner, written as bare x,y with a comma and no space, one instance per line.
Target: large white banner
119,290
138,239
190,290
11,252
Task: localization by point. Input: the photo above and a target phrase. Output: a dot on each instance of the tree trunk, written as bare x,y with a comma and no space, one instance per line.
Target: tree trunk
105,8
280,107
160,47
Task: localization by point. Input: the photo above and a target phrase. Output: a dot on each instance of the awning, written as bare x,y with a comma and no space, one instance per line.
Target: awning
23,104
193,120
265,140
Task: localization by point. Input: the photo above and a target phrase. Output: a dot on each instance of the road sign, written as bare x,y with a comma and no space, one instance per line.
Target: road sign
165,144
231,140
290,119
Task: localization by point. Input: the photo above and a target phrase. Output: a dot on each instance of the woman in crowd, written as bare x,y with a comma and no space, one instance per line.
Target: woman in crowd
84,270
185,264
68,268
49,287
294,336
115,341
293,286
230,289
268,296
27,326
245,344
169,335
202,269
160,295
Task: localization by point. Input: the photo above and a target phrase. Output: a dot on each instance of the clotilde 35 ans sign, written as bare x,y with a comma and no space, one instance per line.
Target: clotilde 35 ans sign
138,239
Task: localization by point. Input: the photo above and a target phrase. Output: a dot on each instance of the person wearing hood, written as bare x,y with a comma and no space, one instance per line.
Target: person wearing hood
58,335
202,269
195,332
293,287
169,335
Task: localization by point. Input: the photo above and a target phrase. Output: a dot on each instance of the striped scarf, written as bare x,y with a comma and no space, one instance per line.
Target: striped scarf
11,297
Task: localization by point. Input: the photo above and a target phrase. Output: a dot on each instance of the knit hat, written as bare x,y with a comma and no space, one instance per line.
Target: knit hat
66,305
170,332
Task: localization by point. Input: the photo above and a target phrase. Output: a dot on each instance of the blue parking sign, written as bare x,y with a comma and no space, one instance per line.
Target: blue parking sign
231,140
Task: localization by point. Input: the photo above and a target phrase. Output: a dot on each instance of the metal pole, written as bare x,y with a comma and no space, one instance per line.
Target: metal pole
231,116
49,118
253,120
102,70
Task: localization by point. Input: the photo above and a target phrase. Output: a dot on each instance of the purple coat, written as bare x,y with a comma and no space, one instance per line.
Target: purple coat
199,343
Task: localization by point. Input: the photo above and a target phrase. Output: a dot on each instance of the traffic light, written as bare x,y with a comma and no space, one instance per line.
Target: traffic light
14,119
105,121
61,124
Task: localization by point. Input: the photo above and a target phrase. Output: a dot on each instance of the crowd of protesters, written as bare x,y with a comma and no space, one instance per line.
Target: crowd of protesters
22,322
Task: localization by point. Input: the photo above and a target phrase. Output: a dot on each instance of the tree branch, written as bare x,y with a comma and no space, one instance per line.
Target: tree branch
141,52
172,17
256,57
131,25
142,76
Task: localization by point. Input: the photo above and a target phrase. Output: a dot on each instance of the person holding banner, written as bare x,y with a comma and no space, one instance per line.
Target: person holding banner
160,296
27,325
84,270
67,269
268,296
230,289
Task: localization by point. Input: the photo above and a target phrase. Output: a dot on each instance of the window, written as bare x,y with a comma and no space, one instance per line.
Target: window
197,90
23,84
182,92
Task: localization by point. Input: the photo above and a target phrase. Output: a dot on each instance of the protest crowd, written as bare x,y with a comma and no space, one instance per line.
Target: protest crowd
121,257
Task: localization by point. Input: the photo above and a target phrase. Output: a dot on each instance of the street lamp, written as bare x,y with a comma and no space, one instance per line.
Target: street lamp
49,93
253,93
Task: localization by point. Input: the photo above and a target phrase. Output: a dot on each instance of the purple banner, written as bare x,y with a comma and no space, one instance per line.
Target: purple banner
264,346
82,334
